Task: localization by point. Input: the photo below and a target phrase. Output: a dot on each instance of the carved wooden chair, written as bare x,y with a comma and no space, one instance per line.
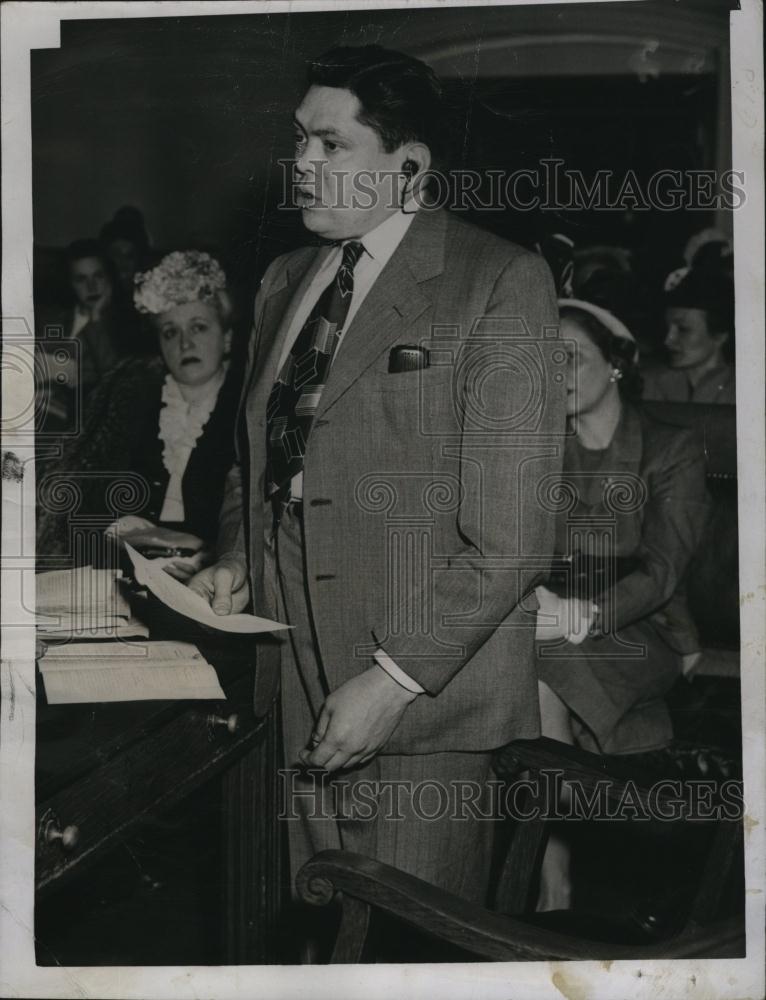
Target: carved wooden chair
701,927
701,923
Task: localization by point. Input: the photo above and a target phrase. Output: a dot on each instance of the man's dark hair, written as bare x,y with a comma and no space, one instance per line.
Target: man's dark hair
401,96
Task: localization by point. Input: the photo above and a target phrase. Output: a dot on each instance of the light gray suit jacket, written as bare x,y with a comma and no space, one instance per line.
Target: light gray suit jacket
423,524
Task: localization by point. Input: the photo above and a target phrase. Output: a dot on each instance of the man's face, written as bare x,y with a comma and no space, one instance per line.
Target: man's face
90,283
347,184
689,342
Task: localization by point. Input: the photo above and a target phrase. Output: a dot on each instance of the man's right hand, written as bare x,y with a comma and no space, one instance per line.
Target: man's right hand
223,585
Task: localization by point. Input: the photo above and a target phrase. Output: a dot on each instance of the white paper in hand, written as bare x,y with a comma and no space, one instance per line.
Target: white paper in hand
179,598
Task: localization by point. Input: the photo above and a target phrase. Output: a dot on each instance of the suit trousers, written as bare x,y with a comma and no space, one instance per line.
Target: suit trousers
428,814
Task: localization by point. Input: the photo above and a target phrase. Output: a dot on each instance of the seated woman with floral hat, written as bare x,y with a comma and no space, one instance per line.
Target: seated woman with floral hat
164,425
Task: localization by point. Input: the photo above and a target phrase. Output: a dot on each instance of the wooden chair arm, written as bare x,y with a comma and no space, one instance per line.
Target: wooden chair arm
468,926
606,786
547,754
614,775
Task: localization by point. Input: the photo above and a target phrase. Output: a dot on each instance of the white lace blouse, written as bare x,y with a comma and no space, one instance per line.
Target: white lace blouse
181,424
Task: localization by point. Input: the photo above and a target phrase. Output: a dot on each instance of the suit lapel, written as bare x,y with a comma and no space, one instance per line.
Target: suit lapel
391,306
279,310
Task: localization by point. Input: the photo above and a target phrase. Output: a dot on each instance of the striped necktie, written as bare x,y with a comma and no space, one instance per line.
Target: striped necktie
295,396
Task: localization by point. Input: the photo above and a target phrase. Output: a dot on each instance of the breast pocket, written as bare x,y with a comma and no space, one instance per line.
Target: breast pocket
422,380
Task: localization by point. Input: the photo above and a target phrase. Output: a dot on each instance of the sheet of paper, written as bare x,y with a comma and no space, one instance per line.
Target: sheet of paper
108,671
179,598
79,600
119,629
68,589
189,681
76,655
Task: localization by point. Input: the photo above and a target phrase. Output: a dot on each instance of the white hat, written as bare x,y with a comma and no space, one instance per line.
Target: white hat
609,320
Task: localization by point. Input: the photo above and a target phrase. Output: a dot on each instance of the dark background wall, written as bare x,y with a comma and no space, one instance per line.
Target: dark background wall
187,118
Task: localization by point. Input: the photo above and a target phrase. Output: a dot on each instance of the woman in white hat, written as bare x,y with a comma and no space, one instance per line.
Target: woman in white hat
630,509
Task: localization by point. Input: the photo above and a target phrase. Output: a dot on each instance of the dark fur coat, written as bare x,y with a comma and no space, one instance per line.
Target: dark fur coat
114,465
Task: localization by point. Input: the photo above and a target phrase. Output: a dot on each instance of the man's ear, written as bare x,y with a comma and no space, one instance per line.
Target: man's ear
416,153
415,164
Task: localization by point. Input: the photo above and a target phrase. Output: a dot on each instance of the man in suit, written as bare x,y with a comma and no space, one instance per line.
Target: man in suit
400,538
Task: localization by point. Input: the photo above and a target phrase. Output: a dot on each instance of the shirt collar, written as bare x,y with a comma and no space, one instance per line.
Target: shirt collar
80,319
381,242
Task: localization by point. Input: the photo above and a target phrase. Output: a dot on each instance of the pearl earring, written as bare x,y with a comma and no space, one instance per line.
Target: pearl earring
616,375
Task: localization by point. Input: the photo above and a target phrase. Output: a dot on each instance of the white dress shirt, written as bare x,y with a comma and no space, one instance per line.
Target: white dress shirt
379,245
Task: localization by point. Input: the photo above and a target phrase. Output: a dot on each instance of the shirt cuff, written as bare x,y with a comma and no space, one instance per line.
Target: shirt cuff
584,626
384,661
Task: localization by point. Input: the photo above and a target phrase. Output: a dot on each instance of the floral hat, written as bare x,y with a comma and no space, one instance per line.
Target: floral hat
180,277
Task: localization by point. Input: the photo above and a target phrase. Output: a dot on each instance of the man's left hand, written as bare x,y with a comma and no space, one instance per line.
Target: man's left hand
357,721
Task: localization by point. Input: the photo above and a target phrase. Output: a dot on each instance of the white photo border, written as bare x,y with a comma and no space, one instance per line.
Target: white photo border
36,25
